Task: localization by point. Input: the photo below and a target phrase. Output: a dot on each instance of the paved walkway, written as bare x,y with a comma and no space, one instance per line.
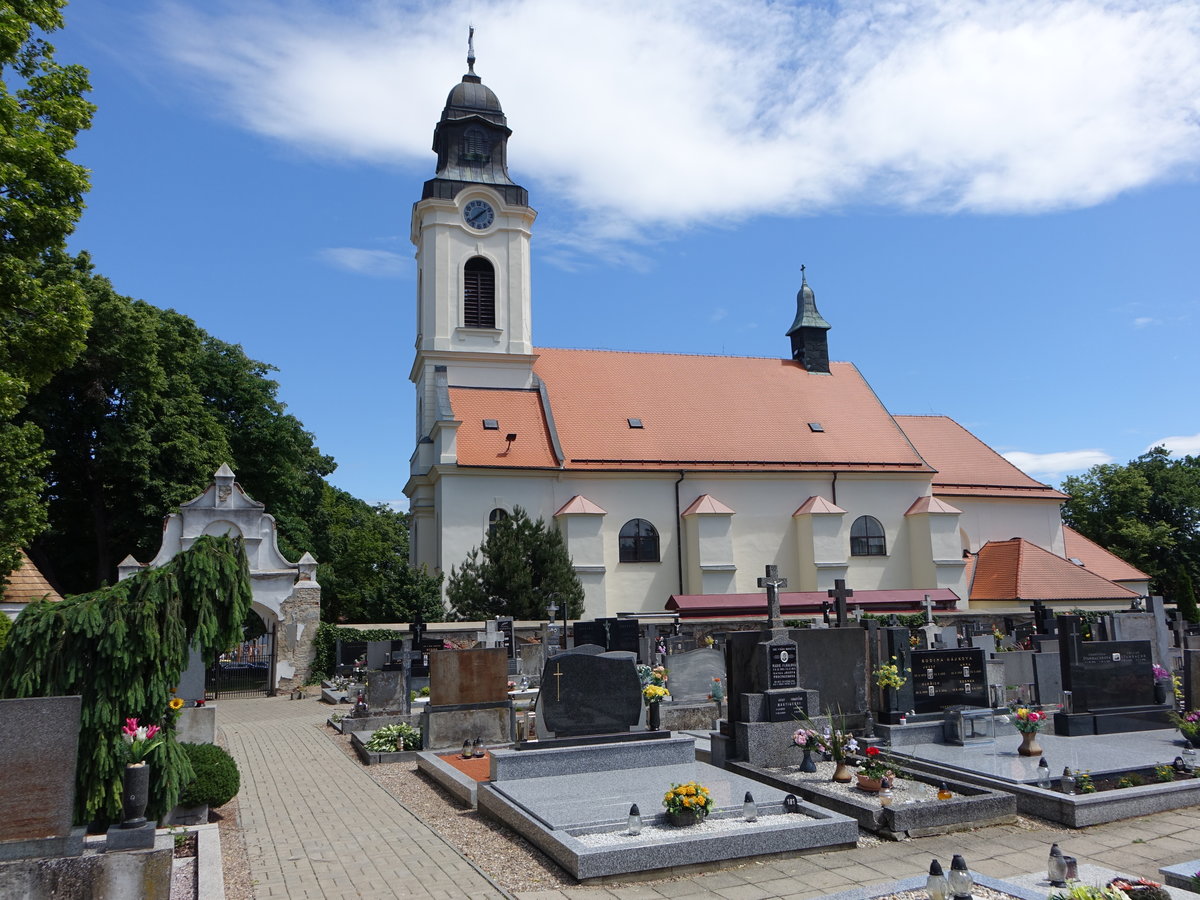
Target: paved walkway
317,826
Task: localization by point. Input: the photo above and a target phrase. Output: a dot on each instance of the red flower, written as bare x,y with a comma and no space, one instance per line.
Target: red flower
872,751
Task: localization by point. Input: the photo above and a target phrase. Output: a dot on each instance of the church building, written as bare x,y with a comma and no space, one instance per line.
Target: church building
676,478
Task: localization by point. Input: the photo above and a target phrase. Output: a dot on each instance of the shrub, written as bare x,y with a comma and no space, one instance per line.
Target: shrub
391,738
217,778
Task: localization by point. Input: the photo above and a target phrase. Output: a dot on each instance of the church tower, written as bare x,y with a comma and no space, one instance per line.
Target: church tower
809,331
471,229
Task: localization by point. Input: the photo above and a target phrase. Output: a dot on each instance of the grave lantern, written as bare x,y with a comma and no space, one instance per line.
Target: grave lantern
936,885
791,804
635,820
1056,867
749,810
961,882
885,792
1043,774
1068,781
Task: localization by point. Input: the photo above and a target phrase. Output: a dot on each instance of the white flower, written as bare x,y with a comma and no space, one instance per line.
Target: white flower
1003,720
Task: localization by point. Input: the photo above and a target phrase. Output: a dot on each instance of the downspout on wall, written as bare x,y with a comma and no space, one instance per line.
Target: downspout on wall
679,532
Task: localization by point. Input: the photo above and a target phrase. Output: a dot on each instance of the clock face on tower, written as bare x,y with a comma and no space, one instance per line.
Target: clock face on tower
478,214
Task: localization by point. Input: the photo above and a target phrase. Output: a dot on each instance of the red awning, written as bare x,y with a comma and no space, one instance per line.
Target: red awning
809,602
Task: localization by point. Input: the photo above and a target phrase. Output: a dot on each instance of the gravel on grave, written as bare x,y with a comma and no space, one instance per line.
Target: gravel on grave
671,833
978,892
905,791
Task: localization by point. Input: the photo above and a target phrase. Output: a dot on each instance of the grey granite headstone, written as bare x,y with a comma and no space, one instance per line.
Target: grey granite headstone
583,694
690,675
1145,626
588,649
191,681
1047,673
387,692
39,743
834,663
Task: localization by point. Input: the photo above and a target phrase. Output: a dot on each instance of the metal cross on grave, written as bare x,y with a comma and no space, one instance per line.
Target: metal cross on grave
772,582
840,594
416,629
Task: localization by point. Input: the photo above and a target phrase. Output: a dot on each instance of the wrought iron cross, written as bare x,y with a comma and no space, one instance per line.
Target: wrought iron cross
840,594
772,582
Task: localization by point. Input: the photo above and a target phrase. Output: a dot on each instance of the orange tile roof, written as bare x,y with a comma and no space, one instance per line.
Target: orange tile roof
717,412
966,466
519,412
1096,559
1019,570
896,600
26,583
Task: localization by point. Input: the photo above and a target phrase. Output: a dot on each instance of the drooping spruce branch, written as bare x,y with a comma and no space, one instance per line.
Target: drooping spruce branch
123,649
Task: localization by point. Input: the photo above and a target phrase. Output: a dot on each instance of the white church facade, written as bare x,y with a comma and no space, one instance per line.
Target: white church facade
673,475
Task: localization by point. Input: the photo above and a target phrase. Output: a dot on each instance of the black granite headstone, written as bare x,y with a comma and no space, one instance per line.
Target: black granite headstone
782,668
623,635
590,633
348,652
583,695
505,627
787,706
943,678
1111,674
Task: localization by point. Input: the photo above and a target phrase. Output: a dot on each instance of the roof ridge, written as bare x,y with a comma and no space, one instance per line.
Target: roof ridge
783,359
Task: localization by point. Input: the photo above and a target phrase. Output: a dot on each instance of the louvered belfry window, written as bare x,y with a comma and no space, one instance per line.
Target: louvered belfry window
479,294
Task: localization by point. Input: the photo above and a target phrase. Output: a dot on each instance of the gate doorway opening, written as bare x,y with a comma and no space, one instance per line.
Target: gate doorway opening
247,669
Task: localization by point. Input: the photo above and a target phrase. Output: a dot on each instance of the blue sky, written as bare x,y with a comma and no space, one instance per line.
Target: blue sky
997,203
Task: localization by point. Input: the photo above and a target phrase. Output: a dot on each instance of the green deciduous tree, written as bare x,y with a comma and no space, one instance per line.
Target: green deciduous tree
367,577
123,649
1147,513
139,423
43,315
518,570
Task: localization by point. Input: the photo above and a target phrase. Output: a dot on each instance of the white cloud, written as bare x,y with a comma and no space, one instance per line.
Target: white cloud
1053,465
1180,445
656,116
1143,321
381,263
718,314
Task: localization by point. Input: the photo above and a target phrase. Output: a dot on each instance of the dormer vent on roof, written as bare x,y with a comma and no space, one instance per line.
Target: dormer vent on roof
809,331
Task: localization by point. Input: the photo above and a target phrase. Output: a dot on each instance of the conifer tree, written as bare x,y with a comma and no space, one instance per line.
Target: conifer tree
521,567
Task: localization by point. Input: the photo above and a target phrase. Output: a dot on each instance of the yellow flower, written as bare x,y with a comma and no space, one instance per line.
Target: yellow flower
175,703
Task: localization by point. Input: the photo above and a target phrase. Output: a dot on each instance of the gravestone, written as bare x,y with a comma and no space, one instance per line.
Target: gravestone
586,694
505,624
347,653
835,663
1148,626
690,675
1047,673
593,633
611,634
39,743
1111,684
387,693
943,678
468,699
890,646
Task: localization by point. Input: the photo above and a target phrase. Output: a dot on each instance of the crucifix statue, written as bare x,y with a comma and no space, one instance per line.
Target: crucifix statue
1039,616
417,629
840,594
772,582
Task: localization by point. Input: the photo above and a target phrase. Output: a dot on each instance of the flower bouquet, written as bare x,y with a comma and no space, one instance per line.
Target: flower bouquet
877,765
687,804
888,675
806,739
1028,721
1188,724
140,740
655,693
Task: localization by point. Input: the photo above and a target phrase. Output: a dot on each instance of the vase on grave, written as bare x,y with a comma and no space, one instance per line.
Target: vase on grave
842,774
1029,745
653,717
135,794
684,818
1160,692
807,764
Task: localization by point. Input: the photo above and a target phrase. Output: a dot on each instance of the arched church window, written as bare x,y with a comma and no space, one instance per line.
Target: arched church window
495,517
638,541
476,148
479,294
867,537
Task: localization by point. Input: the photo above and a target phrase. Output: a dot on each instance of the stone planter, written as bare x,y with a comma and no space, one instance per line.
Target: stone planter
870,785
187,815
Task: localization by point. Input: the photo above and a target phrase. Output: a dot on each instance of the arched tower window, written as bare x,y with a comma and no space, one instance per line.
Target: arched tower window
639,541
476,148
479,294
495,517
867,537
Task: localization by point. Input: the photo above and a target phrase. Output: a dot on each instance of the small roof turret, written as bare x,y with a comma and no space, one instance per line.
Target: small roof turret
809,331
